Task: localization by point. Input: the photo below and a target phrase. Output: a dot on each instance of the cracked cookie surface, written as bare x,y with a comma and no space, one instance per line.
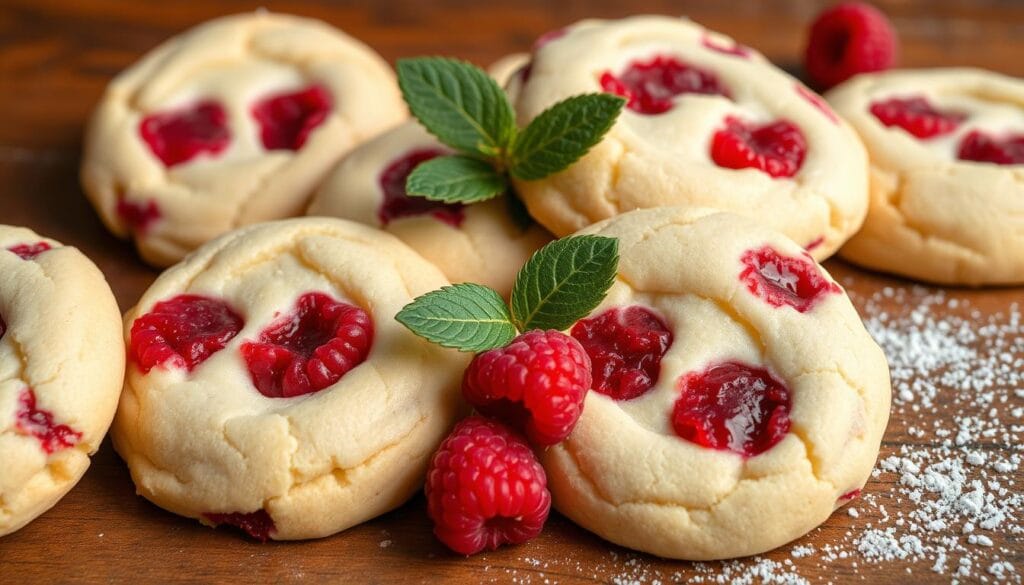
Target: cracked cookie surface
233,122
947,194
762,414
708,123
61,367
358,403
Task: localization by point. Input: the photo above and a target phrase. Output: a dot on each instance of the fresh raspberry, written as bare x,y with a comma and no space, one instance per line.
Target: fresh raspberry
537,384
178,136
138,216
625,347
916,116
310,349
397,202
259,525
734,407
848,39
286,120
182,332
40,424
980,147
777,148
785,280
735,49
485,488
29,251
649,86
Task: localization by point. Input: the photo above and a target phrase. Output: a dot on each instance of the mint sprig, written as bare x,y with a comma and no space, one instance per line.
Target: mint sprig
464,108
561,283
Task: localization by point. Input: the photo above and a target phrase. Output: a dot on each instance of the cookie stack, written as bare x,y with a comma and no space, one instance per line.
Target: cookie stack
735,399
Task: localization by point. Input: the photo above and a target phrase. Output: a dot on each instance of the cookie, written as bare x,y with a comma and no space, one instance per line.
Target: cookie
233,122
947,174
485,243
61,367
269,386
737,398
708,123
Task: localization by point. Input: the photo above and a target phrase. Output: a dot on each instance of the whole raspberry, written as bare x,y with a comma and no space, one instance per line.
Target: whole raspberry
485,488
847,39
537,384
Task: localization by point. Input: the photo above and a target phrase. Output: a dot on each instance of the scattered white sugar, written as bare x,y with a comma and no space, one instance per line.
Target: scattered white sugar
853,512
385,543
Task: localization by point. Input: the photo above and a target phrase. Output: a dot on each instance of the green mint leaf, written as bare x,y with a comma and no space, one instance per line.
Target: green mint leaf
563,281
459,103
562,134
467,317
455,179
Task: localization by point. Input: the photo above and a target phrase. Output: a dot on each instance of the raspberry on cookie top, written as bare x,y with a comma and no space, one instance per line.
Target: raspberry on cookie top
708,122
232,122
742,374
946,147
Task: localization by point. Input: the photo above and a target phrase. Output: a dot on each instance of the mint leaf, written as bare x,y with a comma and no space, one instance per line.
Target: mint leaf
455,179
564,281
562,134
467,317
458,103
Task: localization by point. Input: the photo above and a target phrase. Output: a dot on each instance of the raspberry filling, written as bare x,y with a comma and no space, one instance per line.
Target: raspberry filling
258,524
650,86
980,147
817,101
286,120
182,332
309,349
625,346
777,148
397,202
732,406
916,116
784,280
39,423
815,244
850,495
178,136
30,251
735,49
137,215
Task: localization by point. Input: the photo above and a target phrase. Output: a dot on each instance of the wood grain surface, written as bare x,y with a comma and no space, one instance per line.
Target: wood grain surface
56,57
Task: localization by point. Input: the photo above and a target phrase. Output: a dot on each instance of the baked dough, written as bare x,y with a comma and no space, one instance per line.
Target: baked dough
652,160
216,76
203,442
485,242
717,282
933,216
61,367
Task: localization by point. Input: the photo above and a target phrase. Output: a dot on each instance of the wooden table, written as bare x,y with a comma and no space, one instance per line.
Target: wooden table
55,58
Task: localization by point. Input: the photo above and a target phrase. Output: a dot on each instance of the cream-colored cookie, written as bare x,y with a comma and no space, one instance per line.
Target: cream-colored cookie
270,387
941,209
763,415
697,102
233,122
61,367
484,242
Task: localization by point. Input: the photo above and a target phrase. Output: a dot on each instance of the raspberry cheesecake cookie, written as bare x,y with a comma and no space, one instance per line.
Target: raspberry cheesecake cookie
484,243
61,368
270,388
233,122
708,122
947,174
737,399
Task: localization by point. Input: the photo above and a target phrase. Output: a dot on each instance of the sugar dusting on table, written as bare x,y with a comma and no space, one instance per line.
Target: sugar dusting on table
943,501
